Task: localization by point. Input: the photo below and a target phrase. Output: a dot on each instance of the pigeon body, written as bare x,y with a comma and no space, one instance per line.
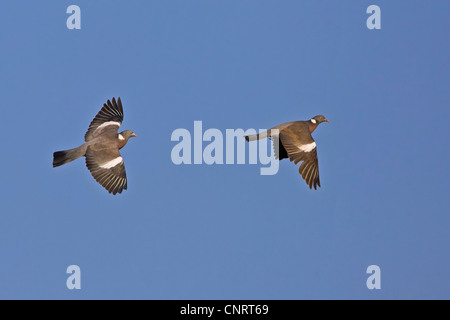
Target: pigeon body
296,143
101,148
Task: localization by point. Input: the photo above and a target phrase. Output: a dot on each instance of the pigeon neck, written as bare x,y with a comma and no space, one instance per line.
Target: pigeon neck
312,127
121,143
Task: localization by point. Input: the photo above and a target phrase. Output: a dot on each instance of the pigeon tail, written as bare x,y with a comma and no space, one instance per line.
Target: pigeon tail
258,136
62,157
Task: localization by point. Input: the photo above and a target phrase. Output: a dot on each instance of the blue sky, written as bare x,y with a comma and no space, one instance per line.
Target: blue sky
224,231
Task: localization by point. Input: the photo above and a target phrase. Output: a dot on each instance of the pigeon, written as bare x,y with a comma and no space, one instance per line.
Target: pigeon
101,148
294,141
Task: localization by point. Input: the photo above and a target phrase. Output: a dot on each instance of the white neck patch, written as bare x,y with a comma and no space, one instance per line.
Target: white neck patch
121,137
313,121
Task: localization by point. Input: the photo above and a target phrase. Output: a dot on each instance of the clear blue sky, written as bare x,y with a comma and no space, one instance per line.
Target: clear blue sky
224,231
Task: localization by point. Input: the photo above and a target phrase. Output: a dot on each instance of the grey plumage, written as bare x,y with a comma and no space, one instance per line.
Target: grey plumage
294,141
101,148
63,157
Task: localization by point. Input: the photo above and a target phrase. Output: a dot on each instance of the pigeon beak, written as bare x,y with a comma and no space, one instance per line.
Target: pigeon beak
134,135
326,120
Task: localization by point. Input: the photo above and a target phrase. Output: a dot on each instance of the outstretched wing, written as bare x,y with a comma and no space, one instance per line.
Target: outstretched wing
107,167
108,119
301,147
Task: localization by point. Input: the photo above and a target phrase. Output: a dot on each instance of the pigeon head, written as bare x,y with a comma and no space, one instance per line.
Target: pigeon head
127,134
319,119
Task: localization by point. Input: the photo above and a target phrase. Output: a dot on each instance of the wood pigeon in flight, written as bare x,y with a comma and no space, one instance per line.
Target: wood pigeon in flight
101,148
296,143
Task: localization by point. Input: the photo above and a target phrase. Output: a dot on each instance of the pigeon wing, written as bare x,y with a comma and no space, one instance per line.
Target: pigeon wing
108,120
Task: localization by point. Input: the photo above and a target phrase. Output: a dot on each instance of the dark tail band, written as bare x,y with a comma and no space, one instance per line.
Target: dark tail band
62,157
